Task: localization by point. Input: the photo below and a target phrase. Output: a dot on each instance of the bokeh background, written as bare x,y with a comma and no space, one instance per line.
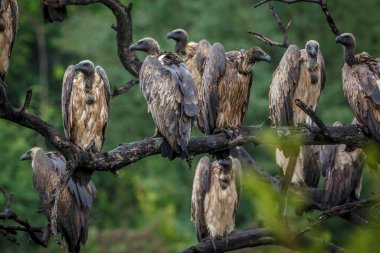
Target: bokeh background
147,207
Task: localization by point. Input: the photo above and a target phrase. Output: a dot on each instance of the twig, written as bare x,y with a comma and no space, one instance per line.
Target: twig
314,117
323,3
283,29
123,89
28,100
340,210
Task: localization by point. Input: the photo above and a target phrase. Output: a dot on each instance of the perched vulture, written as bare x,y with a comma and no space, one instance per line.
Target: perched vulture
299,75
8,30
53,11
361,78
225,87
194,54
75,201
171,95
215,197
85,105
342,171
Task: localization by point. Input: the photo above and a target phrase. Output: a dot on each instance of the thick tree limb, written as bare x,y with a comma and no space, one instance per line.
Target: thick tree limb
283,29
323,3
257,237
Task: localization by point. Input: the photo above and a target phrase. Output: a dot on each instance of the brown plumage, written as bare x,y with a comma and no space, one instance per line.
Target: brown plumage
342,171
8,30
75,201
85,105
53,12
171,95
299,75
361,80
215,197
225,86
193,53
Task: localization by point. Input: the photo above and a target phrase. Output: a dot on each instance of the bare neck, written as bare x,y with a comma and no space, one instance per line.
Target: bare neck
349,55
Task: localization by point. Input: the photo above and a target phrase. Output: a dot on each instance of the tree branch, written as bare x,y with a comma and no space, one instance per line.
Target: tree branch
123,89
257,237
323,3
283,29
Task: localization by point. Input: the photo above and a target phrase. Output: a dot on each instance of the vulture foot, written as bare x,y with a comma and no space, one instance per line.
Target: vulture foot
232,132
212,242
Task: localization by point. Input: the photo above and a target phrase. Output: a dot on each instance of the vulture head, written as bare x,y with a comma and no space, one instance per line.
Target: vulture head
148,45
181,38
253,55
29,155
312,50
225,174
87,67
346,39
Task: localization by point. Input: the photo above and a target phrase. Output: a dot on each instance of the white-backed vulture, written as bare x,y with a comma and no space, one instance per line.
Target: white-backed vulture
343,172
8,30
53,11
361,78
170,92
215,197
75,201
226,85
299,75
194,54
85,105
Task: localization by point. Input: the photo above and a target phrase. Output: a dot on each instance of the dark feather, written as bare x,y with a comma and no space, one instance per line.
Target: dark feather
67,86
53,13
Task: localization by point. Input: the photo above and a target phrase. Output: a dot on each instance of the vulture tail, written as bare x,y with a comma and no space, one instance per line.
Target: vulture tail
167,150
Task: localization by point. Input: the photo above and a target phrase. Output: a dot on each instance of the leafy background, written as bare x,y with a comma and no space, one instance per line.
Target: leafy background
147,207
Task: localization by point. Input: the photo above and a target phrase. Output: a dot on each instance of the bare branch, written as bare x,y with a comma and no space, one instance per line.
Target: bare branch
28,100
314,117
257,237
323,3
123,89
340,210
283,29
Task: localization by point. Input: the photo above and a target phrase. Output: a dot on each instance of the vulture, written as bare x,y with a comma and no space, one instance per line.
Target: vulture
299,75
170,92
215,197
361,78
75,201
8,30
85,105
343,172
53,11
225,87
194,54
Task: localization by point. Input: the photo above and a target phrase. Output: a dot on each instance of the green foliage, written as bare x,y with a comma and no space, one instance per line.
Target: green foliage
147,207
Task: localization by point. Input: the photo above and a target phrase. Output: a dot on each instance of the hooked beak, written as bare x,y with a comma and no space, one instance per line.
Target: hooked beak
133,47
77,67
26,156
267,58
226,163
338,39
170,35
313,52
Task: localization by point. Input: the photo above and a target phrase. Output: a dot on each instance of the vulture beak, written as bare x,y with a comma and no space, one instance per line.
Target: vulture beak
133,47
78,67
170,35
267,58
338,39
26,156
313,52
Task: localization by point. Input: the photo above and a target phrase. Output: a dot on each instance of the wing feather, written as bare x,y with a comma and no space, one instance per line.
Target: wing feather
284,83
67,85
201,185
215,68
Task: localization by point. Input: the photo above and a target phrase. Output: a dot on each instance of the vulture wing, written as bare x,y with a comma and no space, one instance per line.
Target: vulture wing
201,185
201,55
53,13
67,86
171,95
215,68
104,103
284,82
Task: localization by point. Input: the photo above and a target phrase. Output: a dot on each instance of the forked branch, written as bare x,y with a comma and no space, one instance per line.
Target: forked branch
283,28
323,3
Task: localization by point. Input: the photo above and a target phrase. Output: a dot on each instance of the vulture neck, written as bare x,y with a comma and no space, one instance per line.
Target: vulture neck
180,47
311,63
88,81
349,55
246,67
